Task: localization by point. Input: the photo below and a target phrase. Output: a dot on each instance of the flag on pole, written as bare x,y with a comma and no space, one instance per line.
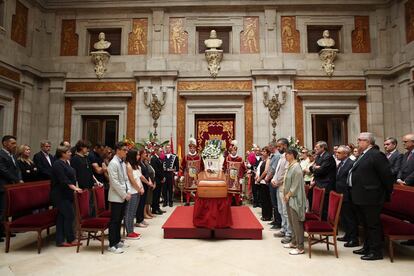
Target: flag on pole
172,144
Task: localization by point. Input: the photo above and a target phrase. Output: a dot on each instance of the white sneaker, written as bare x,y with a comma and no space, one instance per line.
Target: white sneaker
296,252
122,244
115,250
289,245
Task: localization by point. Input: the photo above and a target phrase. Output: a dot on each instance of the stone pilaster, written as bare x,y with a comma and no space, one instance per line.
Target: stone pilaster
56,110
375,108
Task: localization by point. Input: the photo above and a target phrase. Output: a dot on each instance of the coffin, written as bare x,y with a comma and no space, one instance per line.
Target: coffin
212,189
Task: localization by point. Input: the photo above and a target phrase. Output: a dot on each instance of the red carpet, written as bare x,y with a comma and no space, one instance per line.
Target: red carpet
180,225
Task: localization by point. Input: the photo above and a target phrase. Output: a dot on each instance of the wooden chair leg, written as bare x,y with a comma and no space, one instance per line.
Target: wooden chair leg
327,243
89,236
39,241
391,249
7,240
335,246
79,239
310,245
102,241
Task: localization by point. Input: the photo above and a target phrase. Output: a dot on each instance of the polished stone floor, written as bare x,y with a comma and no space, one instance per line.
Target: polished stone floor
152,255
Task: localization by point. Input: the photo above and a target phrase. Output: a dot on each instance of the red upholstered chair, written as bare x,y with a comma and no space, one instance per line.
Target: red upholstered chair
325,228
99,201
85,223
317,204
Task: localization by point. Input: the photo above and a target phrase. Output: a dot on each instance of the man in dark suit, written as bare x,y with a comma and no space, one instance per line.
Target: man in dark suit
348,213
9,172
171,168
372,182
158,166
324,172
44,160
393,155
406,173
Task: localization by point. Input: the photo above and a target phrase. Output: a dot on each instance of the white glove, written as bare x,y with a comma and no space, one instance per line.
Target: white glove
182,178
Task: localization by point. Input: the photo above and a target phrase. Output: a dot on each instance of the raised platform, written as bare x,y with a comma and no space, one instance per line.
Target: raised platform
180,226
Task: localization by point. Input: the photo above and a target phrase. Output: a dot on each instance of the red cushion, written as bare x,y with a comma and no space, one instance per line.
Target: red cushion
105,214
394,226
95,223
312,216
401,205
317,226
317,197
100,197
36,220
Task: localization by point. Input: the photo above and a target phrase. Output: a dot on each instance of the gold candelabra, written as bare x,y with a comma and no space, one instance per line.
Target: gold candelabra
274,105
155,105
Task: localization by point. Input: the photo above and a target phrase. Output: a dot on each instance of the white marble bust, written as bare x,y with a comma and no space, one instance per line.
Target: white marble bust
102,44
326,41
213,42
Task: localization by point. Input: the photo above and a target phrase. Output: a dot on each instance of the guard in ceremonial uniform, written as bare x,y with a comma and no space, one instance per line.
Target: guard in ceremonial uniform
171,168
234,157
189,174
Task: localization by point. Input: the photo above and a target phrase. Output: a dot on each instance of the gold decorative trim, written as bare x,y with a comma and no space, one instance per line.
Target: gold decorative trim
361,41
214,86
68,119
69,38
248,121
100,86
19,24
290,36
181,102
138,38
330,85
7,73
299,119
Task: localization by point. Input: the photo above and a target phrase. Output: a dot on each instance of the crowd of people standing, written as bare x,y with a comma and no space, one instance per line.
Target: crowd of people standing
133,181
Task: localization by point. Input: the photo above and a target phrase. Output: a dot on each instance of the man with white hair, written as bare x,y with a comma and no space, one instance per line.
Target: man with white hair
371,182
348,213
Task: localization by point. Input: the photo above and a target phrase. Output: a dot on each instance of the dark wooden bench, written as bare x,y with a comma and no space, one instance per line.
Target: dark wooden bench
29,206
398,217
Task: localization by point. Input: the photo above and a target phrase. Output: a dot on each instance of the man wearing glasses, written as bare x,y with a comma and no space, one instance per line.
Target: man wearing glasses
371,183
406,174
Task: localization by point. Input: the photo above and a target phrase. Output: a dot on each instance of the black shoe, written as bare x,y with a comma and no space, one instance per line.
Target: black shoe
265,219
255,205
162,211
187,204
164,205
372,257
1,240
275,227
342,239
361,251
408,243
171,204
158,212
272,222
351,244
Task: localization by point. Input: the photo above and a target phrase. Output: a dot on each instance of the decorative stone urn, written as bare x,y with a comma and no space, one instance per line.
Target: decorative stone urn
213,55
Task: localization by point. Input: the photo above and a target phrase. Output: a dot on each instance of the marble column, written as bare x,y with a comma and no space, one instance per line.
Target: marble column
24,119
56,110
375,108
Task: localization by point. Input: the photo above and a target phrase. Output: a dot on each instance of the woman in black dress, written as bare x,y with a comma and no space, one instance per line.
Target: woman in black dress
63,186
27,166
